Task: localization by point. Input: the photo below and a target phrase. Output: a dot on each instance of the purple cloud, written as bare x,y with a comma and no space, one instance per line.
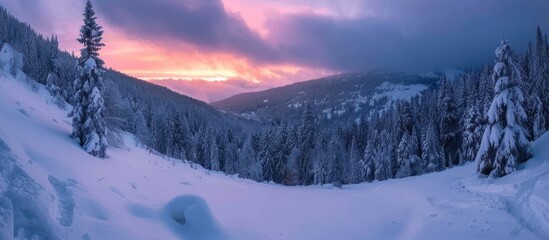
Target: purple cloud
404,35
204,23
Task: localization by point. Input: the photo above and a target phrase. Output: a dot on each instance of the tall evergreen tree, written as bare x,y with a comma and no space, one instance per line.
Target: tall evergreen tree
87,118
539,75
308,139
526,67
322,163
368,168
335,153
407,156
536,118
176,144
355,164
486,91
230,152
432,154
249,164
274,168
449,124
472,134
504,143
215,164
383,167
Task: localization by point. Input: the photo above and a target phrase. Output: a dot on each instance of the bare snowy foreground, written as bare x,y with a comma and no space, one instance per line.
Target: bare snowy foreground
52,189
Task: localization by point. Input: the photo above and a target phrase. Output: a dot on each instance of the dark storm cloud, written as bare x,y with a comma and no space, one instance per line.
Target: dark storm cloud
204,23
410,35
415,34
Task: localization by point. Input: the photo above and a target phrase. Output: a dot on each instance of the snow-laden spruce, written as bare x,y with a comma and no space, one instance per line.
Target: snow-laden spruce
536,69
471,135
432,154
449,123
89,128
540,73
504,143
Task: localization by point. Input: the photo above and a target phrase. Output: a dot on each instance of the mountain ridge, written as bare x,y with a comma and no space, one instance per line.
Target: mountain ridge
331,95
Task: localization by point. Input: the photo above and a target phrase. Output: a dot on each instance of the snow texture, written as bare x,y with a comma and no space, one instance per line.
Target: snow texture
394,92
134,195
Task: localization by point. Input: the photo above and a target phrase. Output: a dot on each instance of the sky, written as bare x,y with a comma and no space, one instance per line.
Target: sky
212,49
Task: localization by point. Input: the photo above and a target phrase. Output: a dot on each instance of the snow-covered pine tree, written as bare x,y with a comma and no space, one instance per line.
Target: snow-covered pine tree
213,154
322,161
201,147
405,119
526,64
361,134
54,90
175,143
368,168
269,168
418,166
472,134
536,118
51,86
188,142
248,163
291,168
504,143
407,156
539,75
391,140
355,164
307,144
449,124
87,118
30,54
230,158
274,168
486,91
335,153
432,154
383,168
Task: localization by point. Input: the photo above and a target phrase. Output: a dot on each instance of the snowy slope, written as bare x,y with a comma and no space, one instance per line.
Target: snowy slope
49,187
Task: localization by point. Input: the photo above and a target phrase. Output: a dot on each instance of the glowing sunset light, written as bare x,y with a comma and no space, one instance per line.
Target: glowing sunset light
271,43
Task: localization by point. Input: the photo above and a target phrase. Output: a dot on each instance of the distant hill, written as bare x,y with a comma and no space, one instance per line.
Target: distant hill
337,97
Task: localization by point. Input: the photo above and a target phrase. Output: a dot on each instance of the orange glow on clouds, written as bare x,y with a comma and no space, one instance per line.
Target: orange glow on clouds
154,61
150,62
159,59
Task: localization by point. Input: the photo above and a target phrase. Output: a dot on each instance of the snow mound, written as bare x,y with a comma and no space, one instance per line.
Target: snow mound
190,217
11,62
65,201
10,59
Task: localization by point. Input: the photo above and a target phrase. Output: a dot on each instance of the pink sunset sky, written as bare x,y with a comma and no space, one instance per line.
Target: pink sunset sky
248,45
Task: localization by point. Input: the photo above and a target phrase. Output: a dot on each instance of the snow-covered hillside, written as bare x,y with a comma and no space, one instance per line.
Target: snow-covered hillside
51,189
334,98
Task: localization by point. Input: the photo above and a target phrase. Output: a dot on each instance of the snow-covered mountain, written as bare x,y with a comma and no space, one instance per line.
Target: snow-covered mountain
344,96
51,189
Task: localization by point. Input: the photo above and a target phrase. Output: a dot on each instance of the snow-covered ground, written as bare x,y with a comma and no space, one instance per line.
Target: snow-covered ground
394,92
49,187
